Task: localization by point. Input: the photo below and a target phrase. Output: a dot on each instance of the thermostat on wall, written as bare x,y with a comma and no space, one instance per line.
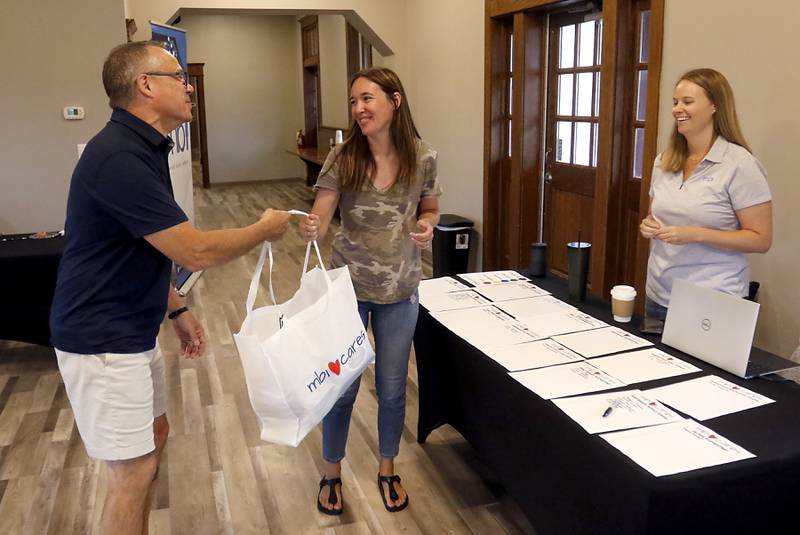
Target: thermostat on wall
73,113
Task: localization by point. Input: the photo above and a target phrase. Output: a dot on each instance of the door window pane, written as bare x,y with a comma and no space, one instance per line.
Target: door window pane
509,138
510,95
599,42
511,53
583,144
586,46
565,82
638,153
644,37
594,145
563,141
584,104
566,50
641,96
597,94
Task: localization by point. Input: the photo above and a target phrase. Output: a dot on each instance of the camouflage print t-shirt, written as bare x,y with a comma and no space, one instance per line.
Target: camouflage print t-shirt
374,239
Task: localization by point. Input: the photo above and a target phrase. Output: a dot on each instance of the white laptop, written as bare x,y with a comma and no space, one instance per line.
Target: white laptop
718,328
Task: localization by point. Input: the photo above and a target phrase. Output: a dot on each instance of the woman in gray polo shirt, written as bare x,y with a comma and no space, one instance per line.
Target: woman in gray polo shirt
709,199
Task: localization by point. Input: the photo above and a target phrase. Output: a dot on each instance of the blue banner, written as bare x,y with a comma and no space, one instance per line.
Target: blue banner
180,158
174,40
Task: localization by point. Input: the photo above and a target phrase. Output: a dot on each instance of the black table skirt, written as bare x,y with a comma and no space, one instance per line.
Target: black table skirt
570,482
28,271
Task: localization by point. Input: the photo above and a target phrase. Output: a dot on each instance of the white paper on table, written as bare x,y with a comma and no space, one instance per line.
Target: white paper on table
602,341
492,277
511,290
630,408
530,355
466,320
708,397
566,380
644,365
504,334
523,309
676,447
440,285
565,322
453,300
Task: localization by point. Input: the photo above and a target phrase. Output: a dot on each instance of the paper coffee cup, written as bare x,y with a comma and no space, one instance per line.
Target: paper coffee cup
622,301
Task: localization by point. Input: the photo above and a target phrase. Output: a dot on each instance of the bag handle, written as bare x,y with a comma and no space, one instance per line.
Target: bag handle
308,251
251,294
266,249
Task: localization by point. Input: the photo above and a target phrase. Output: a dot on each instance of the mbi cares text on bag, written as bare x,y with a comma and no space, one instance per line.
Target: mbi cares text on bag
350,358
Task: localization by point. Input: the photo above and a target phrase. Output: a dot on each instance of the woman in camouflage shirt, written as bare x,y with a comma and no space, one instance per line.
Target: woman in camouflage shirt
384,180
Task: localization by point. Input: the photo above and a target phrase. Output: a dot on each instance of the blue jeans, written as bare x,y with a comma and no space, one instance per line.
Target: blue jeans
393,327
654,310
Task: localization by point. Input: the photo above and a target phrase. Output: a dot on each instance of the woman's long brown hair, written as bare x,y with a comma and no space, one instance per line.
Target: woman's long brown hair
726,122
355,160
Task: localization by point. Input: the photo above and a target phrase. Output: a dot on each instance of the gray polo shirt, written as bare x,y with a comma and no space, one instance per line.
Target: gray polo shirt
728,179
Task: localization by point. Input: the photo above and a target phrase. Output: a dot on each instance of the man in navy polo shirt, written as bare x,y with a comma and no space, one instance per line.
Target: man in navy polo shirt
123,231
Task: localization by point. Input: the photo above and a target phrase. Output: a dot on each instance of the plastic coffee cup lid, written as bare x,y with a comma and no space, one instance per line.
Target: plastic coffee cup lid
623,292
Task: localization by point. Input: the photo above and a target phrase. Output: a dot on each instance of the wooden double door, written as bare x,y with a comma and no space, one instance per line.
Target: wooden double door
567,151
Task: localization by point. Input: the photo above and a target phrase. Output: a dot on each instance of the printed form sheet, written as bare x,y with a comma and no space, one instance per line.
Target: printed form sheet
601,413
562,323
492,277
708,397
566,380
523,309
602,341
531,355
644,365
676,447
453,300
511,291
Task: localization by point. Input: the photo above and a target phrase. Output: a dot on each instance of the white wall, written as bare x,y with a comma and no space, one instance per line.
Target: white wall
444,82
333,72
51,55
755,47
254,102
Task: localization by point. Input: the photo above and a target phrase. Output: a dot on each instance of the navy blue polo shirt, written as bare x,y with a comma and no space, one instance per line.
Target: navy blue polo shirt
112,287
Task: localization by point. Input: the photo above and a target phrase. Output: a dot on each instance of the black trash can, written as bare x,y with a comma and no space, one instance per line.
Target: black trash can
452,239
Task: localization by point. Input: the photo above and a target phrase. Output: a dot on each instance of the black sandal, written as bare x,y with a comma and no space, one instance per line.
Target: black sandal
390,481
332,499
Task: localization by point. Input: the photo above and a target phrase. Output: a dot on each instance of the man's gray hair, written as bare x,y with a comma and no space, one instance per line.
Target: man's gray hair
121,68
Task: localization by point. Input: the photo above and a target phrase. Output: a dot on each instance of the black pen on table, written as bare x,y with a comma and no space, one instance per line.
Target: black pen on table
607,411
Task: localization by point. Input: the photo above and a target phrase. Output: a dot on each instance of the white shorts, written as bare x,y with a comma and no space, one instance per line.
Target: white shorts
115,397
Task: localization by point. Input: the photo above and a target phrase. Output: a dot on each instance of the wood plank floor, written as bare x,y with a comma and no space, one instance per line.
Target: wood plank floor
217,476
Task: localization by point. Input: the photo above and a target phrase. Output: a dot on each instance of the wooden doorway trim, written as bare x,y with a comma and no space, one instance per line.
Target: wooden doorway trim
650,137
511,192
196,77
312,100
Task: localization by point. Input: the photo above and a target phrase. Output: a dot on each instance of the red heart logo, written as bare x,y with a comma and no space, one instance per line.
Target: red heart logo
335,367
653,404
712,437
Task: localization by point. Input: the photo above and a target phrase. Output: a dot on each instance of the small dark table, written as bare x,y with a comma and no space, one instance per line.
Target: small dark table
314,158
570,482
28,270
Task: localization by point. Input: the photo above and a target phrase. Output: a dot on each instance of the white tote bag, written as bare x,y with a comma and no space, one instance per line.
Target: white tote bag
300,356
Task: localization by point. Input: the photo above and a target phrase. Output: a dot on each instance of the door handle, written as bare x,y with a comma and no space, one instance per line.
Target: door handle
548,178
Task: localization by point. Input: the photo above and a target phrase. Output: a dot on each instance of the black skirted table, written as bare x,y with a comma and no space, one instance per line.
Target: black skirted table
28,270
570,482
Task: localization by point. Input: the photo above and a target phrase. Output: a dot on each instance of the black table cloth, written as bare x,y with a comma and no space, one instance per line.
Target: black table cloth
570,482
28,270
